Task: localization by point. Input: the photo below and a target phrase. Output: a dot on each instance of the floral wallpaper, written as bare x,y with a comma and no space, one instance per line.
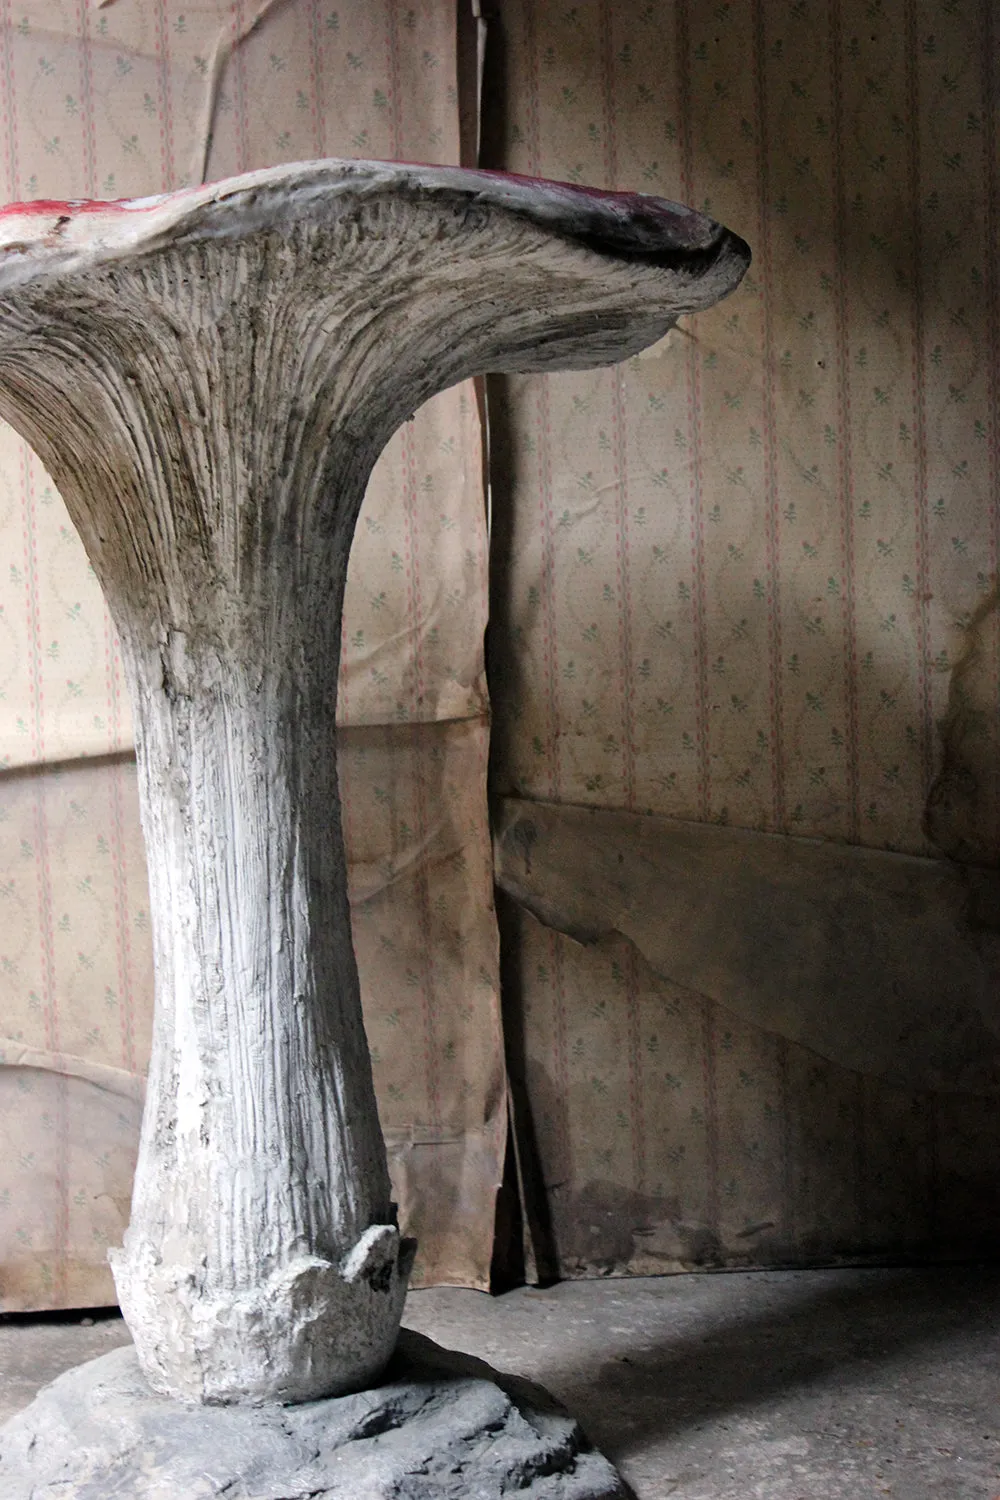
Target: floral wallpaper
130,99
751,577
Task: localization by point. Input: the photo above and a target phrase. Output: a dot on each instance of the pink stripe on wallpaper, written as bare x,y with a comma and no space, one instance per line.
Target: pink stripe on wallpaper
10,102
166,110
624,580
316,78
31,570
43,871
699,585
88,136
426,957
845,484
550,646
123,917
769,422
534,89
242,106
395,84
619,445
846,494
413,523
918,337
542,434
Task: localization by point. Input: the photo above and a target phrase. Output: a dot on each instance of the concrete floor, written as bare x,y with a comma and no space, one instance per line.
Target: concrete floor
817,1385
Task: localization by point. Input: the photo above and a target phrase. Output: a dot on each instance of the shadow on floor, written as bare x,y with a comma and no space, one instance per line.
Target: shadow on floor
760,1355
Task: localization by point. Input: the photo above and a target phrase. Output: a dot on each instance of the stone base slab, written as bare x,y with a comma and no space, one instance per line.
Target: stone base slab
440,1426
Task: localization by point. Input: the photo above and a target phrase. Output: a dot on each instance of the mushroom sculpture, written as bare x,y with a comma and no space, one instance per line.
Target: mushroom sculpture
209,377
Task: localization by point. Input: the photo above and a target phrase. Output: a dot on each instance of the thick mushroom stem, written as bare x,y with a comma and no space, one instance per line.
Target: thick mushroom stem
282,1274
210,377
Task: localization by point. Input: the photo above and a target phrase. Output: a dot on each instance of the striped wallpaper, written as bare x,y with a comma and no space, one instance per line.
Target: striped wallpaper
751,577
130,99
748,577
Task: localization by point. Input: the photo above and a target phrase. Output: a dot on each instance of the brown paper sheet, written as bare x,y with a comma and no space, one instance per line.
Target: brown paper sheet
130,99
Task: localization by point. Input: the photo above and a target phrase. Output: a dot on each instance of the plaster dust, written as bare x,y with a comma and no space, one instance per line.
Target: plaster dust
803,1385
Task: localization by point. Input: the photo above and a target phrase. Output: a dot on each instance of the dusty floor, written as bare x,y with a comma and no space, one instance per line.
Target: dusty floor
826,1385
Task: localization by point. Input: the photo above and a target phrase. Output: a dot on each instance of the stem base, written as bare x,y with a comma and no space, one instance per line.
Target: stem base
310,1329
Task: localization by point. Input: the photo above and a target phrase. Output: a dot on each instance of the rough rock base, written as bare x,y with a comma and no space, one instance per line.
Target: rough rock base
441,1426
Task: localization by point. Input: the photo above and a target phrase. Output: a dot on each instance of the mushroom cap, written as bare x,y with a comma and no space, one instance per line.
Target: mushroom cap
211,374
645,259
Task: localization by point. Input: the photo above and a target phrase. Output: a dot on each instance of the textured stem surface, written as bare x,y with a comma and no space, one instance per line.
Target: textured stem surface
209,378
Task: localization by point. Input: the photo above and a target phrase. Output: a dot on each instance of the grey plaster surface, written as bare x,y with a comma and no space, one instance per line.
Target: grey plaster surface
806,1385
438,1426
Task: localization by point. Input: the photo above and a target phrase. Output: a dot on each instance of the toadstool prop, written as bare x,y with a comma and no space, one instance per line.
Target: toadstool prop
209,377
